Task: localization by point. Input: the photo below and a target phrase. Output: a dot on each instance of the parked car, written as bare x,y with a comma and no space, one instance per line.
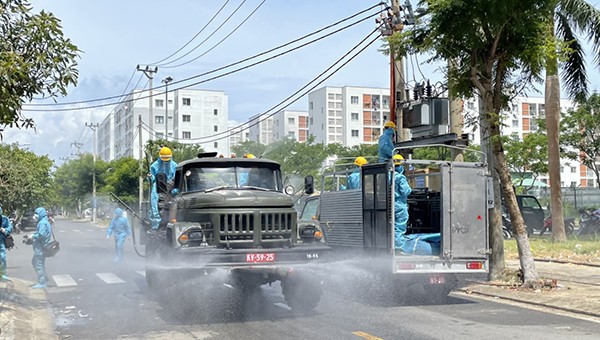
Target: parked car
532,212
28,221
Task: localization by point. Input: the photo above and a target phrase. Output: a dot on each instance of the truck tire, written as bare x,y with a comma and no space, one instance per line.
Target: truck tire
301,295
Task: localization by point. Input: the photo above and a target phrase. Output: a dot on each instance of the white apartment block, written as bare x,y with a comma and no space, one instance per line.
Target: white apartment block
290,124
188,116
239,133
348,115
260,128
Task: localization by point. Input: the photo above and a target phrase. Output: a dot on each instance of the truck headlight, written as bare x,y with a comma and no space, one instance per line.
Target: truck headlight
310,233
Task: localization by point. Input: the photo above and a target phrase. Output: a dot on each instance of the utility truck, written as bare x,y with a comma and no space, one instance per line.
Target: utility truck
234,215
449,204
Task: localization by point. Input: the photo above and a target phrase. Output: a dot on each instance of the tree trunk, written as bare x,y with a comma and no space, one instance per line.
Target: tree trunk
552,106
530,275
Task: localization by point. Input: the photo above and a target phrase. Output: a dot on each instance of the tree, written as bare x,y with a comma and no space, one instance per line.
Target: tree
527,156
35,60
570,17
255,148
497,46
25,180
121,179
74,182
181,151
580,133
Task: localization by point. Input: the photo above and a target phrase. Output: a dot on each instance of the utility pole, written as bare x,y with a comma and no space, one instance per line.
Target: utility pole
94,128
149,72
78,146
393,23
141,177
166,81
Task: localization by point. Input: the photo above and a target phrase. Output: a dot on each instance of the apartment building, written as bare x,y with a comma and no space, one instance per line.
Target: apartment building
260,128
186,116
290,124
348,115
239,133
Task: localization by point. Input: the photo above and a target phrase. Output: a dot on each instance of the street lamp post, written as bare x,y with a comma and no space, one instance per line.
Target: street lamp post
167,80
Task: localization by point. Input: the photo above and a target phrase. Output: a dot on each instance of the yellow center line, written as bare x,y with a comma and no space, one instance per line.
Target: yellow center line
367,336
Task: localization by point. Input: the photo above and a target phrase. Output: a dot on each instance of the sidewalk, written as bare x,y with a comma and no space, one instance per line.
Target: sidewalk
24,312
577,291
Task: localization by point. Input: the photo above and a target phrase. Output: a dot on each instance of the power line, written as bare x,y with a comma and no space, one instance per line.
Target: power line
209,36
220,41
234,63
194,37
244,126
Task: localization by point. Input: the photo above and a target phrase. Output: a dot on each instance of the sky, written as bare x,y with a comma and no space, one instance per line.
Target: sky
115,35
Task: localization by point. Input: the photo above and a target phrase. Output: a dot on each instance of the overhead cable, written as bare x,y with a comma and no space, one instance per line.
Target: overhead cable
234,63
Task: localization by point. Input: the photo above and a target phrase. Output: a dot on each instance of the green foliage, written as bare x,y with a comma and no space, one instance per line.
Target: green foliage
25,180
529,156
579,131
74,181
255,148
35,59
122,179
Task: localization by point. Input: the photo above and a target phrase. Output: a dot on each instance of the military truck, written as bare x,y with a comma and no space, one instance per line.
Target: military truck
234,215
449,200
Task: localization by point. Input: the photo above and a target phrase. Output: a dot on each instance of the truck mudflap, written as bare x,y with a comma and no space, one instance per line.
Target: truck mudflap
432,265
246,258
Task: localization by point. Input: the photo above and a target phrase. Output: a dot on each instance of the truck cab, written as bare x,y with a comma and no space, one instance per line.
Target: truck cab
234,214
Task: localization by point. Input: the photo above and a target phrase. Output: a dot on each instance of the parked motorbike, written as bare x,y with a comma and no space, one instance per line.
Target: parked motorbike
569,225
589,222
506,226
16,224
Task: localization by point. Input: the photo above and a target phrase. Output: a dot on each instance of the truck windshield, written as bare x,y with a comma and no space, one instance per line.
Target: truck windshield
231,177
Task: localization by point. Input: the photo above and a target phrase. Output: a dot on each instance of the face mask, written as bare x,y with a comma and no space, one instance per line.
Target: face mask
36,217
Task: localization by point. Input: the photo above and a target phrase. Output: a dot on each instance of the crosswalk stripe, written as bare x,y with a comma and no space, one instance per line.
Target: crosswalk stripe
141,272
109,278
64,280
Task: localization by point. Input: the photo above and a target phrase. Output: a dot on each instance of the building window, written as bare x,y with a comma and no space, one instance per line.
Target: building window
310,105
159,119
471,105
338,96
186,135
170,101
562,169
291,121
515,123
216,112
216,145
159,103
573,184
187,101
292,134
186,118
573,169
590,183
354,100
354,115
160,135
216,128
354,133
330,96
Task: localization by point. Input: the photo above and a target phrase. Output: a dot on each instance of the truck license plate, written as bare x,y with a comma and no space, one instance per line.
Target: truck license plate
261,257
437,279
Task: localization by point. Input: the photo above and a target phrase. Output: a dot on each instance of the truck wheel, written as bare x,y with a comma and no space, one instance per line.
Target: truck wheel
301,295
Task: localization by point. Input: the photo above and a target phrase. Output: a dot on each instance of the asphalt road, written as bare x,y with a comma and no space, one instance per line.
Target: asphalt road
93,298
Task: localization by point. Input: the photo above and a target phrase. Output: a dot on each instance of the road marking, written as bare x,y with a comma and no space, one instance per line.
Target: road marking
282,305
366,336
109,278
141,272
64,280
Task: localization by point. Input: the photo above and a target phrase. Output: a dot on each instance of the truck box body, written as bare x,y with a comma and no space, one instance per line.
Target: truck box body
360,223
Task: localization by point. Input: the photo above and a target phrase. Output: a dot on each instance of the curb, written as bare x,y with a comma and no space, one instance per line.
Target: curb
568,262
469,291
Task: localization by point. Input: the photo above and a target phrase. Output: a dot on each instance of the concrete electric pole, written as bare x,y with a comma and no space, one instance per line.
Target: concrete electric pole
166,81
94,128
149,72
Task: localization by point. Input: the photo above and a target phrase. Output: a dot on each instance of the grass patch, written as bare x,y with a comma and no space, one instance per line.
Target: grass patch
579,250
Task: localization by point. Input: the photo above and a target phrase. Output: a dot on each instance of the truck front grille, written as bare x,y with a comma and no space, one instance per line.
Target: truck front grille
255,228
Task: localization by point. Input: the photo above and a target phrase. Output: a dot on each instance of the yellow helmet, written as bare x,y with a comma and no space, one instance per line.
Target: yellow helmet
398,159
165,154
389,124
360,161
249,155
